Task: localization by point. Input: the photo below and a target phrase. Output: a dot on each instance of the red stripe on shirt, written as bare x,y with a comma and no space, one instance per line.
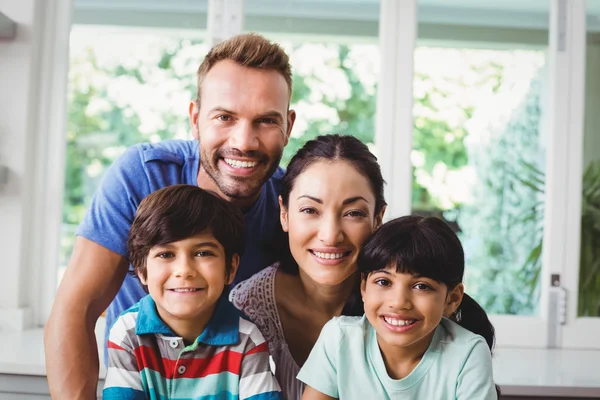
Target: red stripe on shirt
224,361
113,345
261,347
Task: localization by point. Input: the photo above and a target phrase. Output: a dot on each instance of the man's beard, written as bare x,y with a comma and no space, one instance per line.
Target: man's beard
239,187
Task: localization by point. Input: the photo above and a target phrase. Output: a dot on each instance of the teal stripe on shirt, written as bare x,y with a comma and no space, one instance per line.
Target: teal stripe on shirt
191,387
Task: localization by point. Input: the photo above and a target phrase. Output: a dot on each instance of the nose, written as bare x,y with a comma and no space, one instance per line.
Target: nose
185,268
244,136
330,231
400,298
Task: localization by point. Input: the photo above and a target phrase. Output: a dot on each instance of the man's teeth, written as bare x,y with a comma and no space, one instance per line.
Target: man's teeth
399,322
328,256
184,290
240,164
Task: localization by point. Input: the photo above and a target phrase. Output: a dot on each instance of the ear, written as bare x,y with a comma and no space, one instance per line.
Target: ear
142,278
193,112
453,299
363,288
283,215
291,118
235,263
379,217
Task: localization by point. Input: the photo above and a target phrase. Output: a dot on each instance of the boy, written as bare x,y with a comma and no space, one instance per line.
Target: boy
185,340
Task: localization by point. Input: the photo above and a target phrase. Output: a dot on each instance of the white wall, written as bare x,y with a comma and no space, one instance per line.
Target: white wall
33,68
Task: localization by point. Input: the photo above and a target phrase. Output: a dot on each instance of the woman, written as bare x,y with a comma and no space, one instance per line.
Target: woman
331,202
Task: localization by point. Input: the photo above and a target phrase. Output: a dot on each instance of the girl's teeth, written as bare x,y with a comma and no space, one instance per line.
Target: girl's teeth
328,256
241,164
399,322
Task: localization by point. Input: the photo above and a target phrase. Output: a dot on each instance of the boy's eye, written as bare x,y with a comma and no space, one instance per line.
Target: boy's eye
165,254
204,253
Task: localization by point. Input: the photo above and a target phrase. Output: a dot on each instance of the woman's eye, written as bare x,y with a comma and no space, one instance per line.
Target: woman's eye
308,211
356,214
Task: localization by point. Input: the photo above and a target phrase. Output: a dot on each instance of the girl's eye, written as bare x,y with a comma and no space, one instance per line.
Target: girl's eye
422,286
382,282
356,214
308,210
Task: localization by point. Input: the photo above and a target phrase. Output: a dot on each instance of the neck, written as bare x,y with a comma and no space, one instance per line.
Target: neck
326,299
188,329
401,361
205,182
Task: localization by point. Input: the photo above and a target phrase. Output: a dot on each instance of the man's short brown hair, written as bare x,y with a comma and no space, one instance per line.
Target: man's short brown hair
178,212
247,50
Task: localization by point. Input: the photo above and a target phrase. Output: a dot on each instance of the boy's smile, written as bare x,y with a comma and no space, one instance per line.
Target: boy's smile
185,279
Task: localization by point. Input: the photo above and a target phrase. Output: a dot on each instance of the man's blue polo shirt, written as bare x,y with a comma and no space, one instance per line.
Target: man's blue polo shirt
145,168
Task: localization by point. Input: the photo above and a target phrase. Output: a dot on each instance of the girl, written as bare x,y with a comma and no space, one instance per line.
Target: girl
421,336
331,202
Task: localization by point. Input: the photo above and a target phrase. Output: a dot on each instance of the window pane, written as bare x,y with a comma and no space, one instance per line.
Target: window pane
589,272
335,63
126,86
478,155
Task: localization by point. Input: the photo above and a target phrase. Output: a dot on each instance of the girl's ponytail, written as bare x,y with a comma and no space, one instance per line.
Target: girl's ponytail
471,316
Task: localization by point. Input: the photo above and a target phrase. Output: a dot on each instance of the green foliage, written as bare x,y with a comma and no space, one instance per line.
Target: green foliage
589,273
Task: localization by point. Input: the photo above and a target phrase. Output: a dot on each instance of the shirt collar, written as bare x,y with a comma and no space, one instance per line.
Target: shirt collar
222,328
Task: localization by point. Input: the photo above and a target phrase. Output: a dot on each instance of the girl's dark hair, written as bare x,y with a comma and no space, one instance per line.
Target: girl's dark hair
178,212
426,246
331,148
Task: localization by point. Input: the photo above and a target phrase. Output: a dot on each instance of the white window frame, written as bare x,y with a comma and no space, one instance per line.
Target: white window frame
398,36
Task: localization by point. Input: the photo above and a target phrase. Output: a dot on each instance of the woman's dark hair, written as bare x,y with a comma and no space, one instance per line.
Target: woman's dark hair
330,149
178,212
426,246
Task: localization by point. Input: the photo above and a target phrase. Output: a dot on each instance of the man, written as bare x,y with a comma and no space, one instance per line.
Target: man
242,121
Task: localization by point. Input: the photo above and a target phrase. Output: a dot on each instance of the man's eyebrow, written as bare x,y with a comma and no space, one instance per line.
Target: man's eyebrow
271,114
221,109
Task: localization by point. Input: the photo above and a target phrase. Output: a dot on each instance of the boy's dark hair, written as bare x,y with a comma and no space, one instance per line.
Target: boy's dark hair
178,212
428,247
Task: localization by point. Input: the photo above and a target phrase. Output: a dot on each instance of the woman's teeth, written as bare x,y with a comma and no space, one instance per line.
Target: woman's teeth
241,164
328,256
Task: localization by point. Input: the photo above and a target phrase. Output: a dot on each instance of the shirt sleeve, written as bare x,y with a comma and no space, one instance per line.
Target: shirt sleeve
123,380
257,382
320,369
476,380
108,220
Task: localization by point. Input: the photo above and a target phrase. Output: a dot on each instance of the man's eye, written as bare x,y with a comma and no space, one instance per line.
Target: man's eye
269,121
224,118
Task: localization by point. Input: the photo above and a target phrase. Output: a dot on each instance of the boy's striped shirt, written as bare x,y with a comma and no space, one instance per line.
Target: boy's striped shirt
146,360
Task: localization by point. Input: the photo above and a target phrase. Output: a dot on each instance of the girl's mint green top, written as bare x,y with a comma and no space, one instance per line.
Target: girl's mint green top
346,363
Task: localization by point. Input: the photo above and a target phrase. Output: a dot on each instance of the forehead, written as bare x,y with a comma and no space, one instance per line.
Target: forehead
241,89
205,237
333,182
